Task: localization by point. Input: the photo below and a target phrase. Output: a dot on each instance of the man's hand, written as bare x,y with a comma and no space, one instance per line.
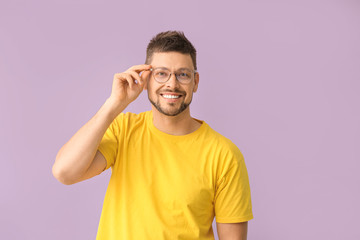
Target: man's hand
79,158
128,85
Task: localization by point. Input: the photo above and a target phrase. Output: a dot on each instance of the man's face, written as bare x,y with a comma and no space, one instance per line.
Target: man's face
171,98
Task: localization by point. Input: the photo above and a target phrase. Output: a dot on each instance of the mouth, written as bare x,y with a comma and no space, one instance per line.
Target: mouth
171,96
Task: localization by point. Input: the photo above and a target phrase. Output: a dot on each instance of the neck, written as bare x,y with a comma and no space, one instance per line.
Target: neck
180,124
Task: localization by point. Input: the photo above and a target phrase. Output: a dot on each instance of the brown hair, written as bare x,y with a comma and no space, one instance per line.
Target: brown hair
170,41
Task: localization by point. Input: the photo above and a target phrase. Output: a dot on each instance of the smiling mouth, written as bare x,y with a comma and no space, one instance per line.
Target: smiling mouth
170,96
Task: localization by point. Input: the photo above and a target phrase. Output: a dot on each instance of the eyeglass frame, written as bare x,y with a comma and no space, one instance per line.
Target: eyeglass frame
176,75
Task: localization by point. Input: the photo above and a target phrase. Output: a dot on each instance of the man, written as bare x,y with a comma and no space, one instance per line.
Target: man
171,173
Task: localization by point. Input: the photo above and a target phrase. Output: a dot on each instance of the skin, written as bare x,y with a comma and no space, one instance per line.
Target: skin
232,231
174,122
79,159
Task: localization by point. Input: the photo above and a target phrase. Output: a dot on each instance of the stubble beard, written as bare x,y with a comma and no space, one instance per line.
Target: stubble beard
182,107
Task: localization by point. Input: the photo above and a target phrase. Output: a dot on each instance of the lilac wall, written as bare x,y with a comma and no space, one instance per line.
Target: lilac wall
279,78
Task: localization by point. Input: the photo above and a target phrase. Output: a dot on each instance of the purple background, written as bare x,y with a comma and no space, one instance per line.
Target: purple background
279,78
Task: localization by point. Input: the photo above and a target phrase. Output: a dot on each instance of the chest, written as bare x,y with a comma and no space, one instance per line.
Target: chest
173,175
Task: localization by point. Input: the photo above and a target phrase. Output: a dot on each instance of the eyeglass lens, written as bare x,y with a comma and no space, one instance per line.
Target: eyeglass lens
163,75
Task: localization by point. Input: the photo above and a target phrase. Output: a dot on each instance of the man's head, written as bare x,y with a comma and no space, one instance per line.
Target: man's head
171,52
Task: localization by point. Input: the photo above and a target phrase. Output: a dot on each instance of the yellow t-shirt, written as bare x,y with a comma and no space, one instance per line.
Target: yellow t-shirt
170,187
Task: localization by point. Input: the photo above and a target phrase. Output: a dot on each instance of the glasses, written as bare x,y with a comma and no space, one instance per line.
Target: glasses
162,75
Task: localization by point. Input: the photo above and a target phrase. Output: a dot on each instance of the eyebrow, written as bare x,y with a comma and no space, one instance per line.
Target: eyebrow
177,69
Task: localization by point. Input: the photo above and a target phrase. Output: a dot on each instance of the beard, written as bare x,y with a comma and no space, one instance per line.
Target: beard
167,112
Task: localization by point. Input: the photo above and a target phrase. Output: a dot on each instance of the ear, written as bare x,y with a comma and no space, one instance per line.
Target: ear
197,77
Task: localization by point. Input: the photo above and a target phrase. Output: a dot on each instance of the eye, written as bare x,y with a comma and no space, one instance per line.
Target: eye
161,73
184,75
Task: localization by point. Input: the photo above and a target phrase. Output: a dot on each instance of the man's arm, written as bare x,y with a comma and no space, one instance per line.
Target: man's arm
79,159
232,231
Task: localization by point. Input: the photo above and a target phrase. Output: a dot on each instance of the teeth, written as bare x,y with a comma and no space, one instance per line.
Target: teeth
171,96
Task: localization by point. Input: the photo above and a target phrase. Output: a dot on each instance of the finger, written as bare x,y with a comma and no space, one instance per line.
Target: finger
136,76
130,80
120,77
140,68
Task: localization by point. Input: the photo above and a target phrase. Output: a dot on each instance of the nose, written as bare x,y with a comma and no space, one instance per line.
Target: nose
172,82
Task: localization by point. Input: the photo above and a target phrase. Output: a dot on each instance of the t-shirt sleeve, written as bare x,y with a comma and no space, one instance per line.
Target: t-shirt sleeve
109,143
232,197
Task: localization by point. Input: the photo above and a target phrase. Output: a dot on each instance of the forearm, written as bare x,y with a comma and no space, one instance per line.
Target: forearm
75,157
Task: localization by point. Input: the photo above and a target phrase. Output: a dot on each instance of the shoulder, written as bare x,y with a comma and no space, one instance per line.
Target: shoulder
220,140
223,154
129,121
226,150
